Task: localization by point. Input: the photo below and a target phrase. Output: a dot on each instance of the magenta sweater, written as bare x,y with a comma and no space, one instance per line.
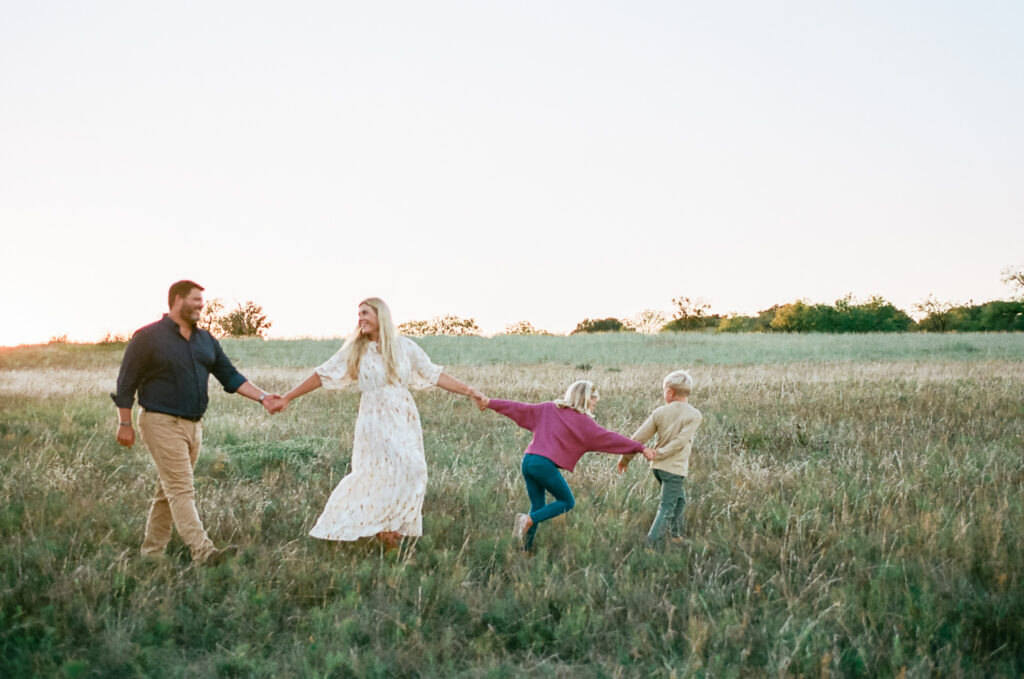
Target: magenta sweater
561,434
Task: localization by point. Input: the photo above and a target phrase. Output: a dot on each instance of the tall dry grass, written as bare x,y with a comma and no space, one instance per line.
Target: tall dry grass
845,518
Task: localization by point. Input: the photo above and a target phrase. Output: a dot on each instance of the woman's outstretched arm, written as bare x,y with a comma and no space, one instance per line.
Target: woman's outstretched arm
309,384
449,383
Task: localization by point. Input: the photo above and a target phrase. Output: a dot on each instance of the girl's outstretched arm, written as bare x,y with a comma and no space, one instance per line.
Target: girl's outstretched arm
523,414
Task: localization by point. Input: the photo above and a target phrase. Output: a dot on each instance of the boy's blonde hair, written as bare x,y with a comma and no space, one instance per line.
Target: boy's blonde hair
679,382
577,397
386,346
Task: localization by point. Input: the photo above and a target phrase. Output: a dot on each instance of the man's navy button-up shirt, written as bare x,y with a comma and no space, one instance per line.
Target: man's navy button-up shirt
171,372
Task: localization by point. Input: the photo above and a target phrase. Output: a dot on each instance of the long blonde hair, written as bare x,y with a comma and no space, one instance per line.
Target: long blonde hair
386,345
577,397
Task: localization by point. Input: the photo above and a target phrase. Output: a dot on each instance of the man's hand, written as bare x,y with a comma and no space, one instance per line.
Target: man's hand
274,403
126,435
478,398
623,464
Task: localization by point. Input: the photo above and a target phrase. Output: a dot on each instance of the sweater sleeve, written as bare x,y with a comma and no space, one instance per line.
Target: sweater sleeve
523,414
646,430
599,439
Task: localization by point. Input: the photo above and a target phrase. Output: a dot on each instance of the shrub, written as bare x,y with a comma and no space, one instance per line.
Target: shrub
523,328
245,320
647,321
995,316
440,325
875,315
600,325
691,314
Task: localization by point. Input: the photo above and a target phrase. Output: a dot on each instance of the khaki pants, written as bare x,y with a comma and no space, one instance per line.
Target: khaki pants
174,445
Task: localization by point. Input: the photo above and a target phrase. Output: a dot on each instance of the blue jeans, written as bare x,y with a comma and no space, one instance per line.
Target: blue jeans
670,508
542,476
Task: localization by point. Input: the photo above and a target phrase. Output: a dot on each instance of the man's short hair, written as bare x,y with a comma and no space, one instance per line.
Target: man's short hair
181,289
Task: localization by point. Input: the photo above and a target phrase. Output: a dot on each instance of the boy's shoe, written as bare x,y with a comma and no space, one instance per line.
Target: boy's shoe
522,524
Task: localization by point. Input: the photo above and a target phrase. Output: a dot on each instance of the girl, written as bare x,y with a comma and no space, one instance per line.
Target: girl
562,431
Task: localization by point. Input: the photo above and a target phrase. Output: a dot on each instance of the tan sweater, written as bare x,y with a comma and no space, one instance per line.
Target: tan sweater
675,425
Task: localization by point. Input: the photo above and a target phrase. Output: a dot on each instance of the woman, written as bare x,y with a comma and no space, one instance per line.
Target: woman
563,431
383,494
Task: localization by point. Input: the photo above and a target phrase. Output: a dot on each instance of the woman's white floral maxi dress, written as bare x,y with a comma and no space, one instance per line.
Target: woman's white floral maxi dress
385,489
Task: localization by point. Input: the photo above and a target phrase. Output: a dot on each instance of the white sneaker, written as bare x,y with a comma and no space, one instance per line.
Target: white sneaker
521,525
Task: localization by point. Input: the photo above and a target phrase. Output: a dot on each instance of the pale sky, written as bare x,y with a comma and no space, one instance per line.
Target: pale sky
542,161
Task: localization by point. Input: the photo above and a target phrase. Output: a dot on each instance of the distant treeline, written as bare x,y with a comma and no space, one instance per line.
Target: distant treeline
845,315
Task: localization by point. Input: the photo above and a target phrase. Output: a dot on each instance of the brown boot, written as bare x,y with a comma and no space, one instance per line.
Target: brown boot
390,538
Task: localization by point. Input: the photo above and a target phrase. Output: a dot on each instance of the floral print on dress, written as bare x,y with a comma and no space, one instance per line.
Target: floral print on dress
385,489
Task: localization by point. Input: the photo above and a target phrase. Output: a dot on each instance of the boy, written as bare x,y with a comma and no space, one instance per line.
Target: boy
675,424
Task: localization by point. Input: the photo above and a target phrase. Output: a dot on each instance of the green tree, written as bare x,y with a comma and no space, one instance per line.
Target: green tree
245,320
691,314
798,316
1002,316
936,314
846,315
588,325
760,323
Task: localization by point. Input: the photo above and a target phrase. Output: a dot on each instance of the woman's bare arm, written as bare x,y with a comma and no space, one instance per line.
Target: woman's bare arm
449,383
309,384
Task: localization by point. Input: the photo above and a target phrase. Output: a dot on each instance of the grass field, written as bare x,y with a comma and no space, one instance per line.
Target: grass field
855,509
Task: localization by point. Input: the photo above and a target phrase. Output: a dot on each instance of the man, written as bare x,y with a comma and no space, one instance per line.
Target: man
169,362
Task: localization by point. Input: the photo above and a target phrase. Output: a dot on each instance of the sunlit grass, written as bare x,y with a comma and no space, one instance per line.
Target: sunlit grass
847,516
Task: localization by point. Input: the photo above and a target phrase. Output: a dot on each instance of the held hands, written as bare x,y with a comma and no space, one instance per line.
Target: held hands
478,398
624,461
274,403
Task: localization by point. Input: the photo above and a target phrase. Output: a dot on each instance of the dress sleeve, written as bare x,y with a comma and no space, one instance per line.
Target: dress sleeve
424,372
334,372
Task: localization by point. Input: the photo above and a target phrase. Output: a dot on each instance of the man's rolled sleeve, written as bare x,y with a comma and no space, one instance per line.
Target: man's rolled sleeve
225,372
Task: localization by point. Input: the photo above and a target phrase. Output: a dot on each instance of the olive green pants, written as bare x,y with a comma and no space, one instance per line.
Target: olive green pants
669,518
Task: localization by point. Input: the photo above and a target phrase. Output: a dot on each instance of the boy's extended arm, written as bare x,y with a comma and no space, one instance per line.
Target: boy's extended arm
646,430
643,435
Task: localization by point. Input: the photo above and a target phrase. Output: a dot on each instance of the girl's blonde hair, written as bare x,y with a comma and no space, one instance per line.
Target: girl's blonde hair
577,397
385,346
